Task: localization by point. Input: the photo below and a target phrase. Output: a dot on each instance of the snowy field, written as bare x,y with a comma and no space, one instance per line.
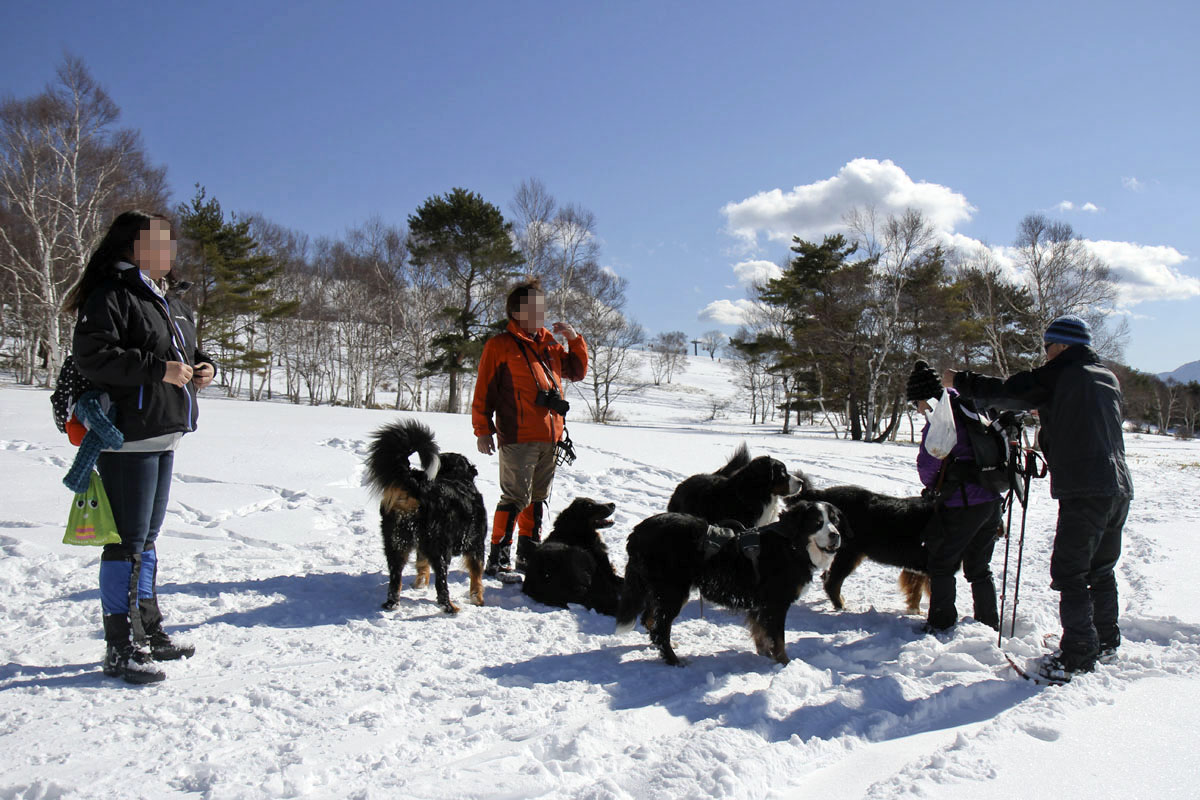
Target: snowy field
271,564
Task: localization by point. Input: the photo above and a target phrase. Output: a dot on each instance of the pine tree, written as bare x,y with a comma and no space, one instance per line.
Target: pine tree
468,241
234,295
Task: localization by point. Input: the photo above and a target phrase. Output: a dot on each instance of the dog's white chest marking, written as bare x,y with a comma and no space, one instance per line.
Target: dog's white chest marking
770,512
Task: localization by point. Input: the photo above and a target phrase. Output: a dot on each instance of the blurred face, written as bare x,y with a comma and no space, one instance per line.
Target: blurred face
154,250
531,312
1053,349
924,407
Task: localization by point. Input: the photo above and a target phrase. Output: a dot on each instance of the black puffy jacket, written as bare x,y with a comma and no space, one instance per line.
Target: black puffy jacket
1079,401
124,337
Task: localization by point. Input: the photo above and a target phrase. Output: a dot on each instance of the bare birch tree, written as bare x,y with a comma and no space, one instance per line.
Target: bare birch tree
897,242
1064,277
65,171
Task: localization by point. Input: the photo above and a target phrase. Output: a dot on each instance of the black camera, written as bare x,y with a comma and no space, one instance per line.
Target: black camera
551,399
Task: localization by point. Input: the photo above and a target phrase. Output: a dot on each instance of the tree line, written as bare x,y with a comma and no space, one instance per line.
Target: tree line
836,333
405,309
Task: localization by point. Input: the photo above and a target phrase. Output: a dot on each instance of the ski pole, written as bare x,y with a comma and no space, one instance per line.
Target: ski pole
1014,460
1004,580
1030,466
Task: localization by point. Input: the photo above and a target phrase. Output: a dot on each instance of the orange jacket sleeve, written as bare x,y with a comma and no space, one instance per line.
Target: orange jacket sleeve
482,407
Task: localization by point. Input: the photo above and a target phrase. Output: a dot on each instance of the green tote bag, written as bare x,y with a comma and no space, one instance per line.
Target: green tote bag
91,519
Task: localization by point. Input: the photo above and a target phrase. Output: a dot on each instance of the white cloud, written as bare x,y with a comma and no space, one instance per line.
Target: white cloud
756,273
1146,272
729,312
1133,184
1067,205
813,210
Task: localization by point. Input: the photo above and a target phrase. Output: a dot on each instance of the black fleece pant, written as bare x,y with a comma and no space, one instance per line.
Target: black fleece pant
1087,545
965,536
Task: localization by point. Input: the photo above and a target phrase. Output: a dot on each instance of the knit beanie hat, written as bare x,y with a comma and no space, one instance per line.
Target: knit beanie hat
1068,329
923,383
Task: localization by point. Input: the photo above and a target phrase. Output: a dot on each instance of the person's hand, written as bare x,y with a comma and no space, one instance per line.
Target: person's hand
203,374
948,378
563,329
178,373
485,444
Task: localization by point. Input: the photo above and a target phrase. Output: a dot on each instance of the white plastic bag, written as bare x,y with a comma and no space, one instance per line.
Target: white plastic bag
942,434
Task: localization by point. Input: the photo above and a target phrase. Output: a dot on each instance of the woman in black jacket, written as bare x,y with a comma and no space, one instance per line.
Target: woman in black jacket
130,342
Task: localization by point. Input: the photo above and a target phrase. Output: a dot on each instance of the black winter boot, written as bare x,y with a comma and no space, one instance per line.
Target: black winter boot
983,592
505,520
161,646
525,547
942,613
121,658
499,559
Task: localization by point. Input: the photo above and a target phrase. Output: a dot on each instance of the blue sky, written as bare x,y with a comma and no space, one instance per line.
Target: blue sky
698,133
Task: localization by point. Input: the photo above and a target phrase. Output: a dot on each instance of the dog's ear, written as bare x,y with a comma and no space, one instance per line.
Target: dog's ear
840,521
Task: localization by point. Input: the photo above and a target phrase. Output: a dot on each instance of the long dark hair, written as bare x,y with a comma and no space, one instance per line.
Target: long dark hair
117,245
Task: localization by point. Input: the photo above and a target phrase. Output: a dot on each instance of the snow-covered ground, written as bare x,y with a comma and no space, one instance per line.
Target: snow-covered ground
270,563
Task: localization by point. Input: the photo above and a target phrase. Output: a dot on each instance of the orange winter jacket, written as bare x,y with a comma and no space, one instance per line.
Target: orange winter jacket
506,385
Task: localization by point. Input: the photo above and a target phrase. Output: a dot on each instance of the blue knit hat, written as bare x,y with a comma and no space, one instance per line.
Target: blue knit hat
1068,329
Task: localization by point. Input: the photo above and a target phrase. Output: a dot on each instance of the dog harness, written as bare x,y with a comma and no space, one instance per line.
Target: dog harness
747,542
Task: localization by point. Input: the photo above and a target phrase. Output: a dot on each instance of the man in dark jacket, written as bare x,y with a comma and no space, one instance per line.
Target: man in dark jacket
1079,403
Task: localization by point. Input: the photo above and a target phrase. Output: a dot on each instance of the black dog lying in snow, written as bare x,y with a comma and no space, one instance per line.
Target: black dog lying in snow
745,490
571,565
882,528
761,571
435,508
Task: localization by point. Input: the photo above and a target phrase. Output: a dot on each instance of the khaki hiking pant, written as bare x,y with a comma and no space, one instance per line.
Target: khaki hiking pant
526,472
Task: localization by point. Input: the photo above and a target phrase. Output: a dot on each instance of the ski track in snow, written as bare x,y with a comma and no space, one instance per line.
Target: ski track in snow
302,687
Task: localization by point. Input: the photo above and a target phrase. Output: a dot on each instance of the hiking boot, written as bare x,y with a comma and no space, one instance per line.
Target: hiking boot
497,560
130,664
1107,654
152,636
525,548
163,649
1061,668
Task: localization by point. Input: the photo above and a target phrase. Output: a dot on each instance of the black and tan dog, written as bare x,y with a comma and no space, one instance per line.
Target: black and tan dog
760,571
571,565
746,490
435,508
882,528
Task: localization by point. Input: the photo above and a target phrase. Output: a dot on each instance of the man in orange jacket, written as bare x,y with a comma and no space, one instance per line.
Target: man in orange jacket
519,399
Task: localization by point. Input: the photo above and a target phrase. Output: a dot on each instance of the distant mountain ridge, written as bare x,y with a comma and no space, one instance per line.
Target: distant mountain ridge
1188,372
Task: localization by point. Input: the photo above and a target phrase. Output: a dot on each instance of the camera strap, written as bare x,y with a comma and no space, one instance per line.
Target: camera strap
549,372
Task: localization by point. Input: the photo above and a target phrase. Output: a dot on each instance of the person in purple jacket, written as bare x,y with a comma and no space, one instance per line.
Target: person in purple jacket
966,524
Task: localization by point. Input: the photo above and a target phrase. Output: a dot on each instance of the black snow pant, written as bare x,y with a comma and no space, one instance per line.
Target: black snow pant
966,536
1087,545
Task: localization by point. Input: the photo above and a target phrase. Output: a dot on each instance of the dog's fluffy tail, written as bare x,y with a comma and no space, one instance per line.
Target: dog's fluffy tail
393,445
739,459
806,484
633,598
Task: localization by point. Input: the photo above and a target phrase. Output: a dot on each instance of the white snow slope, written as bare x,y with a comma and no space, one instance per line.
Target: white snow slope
271,564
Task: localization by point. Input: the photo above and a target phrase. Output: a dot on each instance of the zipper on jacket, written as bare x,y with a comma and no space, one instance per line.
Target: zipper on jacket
178,344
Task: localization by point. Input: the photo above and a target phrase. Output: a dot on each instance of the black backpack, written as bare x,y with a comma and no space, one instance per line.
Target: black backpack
996,444
71,384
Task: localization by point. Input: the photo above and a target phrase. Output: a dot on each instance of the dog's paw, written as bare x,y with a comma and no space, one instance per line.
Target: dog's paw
391,604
